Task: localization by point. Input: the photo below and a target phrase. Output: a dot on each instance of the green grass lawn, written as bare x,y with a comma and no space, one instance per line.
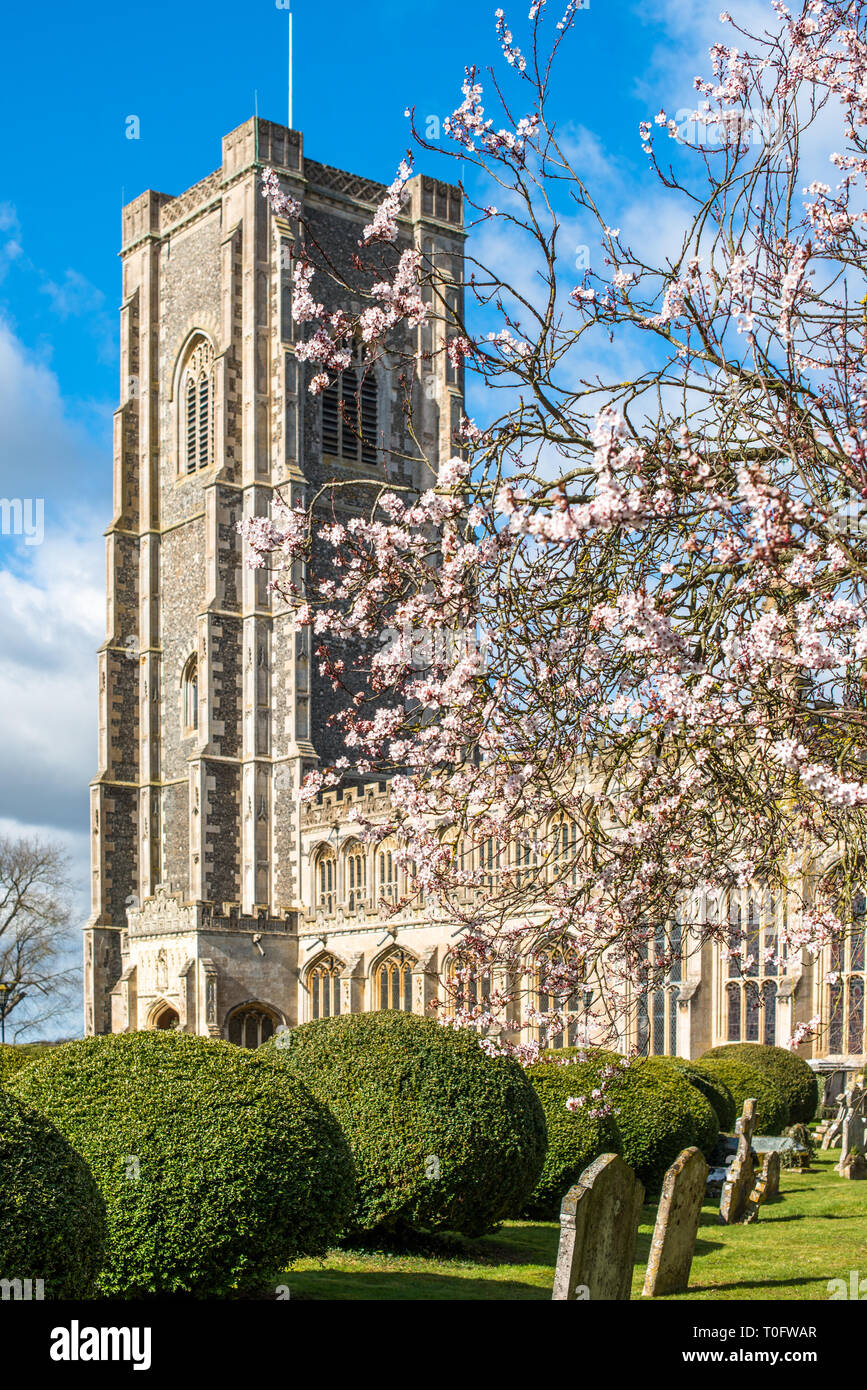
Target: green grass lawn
817,1231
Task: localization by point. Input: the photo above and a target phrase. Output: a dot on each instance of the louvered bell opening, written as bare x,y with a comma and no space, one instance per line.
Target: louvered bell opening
331,418
204,423
368,420
349,449
191,427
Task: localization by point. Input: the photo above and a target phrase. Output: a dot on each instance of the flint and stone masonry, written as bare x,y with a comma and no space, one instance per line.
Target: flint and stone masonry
211,711
220,904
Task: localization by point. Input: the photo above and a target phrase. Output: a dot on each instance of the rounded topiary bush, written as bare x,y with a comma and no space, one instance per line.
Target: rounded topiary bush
713,1088
214,1172
790,1074
52,1217
12,1059
443,1136
744,1080
575,1137
658,1113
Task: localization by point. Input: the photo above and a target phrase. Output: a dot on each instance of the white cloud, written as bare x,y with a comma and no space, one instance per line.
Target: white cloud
75,296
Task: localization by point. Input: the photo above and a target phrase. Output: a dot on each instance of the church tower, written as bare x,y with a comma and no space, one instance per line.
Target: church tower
210,710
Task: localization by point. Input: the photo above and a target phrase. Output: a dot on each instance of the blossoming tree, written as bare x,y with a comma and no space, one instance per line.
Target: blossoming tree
626,627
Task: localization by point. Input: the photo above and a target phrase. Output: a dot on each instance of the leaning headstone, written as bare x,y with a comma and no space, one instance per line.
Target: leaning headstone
835,1128
741,1179
598,1229
676,1228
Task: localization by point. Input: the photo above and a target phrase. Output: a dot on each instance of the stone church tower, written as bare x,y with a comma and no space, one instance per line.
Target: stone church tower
220,904
210,709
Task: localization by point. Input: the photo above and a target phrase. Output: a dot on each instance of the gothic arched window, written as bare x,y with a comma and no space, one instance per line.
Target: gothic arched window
197,407
324,985
356,877
386,872
394,982
251,1025
190,696
754,968
349,414
326,880
558,1000
468,984
565,867
846,986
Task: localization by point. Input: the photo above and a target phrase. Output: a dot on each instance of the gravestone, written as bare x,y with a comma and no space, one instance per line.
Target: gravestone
853,1166
741,1175
598,1229
852,1130
832,1134
676,1228
770,1174
801,1155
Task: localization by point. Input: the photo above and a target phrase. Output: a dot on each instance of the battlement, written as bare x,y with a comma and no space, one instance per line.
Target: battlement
259,144
328,806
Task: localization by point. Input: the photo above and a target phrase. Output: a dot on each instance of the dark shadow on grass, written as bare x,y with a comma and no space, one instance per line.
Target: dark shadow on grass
410,1287
754,1284
529,1244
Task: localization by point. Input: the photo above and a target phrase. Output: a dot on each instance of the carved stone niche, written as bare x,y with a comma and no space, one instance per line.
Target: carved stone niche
352,985
425,982
211,997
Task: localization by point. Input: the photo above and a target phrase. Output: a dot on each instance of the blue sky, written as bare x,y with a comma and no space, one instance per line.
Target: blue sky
72,78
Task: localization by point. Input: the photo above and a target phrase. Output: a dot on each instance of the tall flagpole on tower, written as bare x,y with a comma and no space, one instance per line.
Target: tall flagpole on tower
290,64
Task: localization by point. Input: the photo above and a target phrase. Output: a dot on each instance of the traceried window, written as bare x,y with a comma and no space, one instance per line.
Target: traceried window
196,404
846,987
557,970
657,1008
190,696
251,1026
386,873
565,867
356,877
489,864
466,985
349,414
324,985
394,982
326,880
526,863
754,968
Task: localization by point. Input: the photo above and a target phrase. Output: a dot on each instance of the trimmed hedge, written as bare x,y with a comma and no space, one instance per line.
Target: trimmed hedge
215,1172
713,1088
789,1073
12,1059
658,1113
443,1136
52,1217
575,1138
744,1080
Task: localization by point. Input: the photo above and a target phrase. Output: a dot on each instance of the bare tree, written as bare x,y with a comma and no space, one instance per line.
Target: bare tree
34,944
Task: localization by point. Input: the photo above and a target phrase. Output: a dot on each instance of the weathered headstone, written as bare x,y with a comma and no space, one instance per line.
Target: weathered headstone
852,1128
741,1178
801,1155
770,1174
598,1229
676,1228
853,1165
835,1128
